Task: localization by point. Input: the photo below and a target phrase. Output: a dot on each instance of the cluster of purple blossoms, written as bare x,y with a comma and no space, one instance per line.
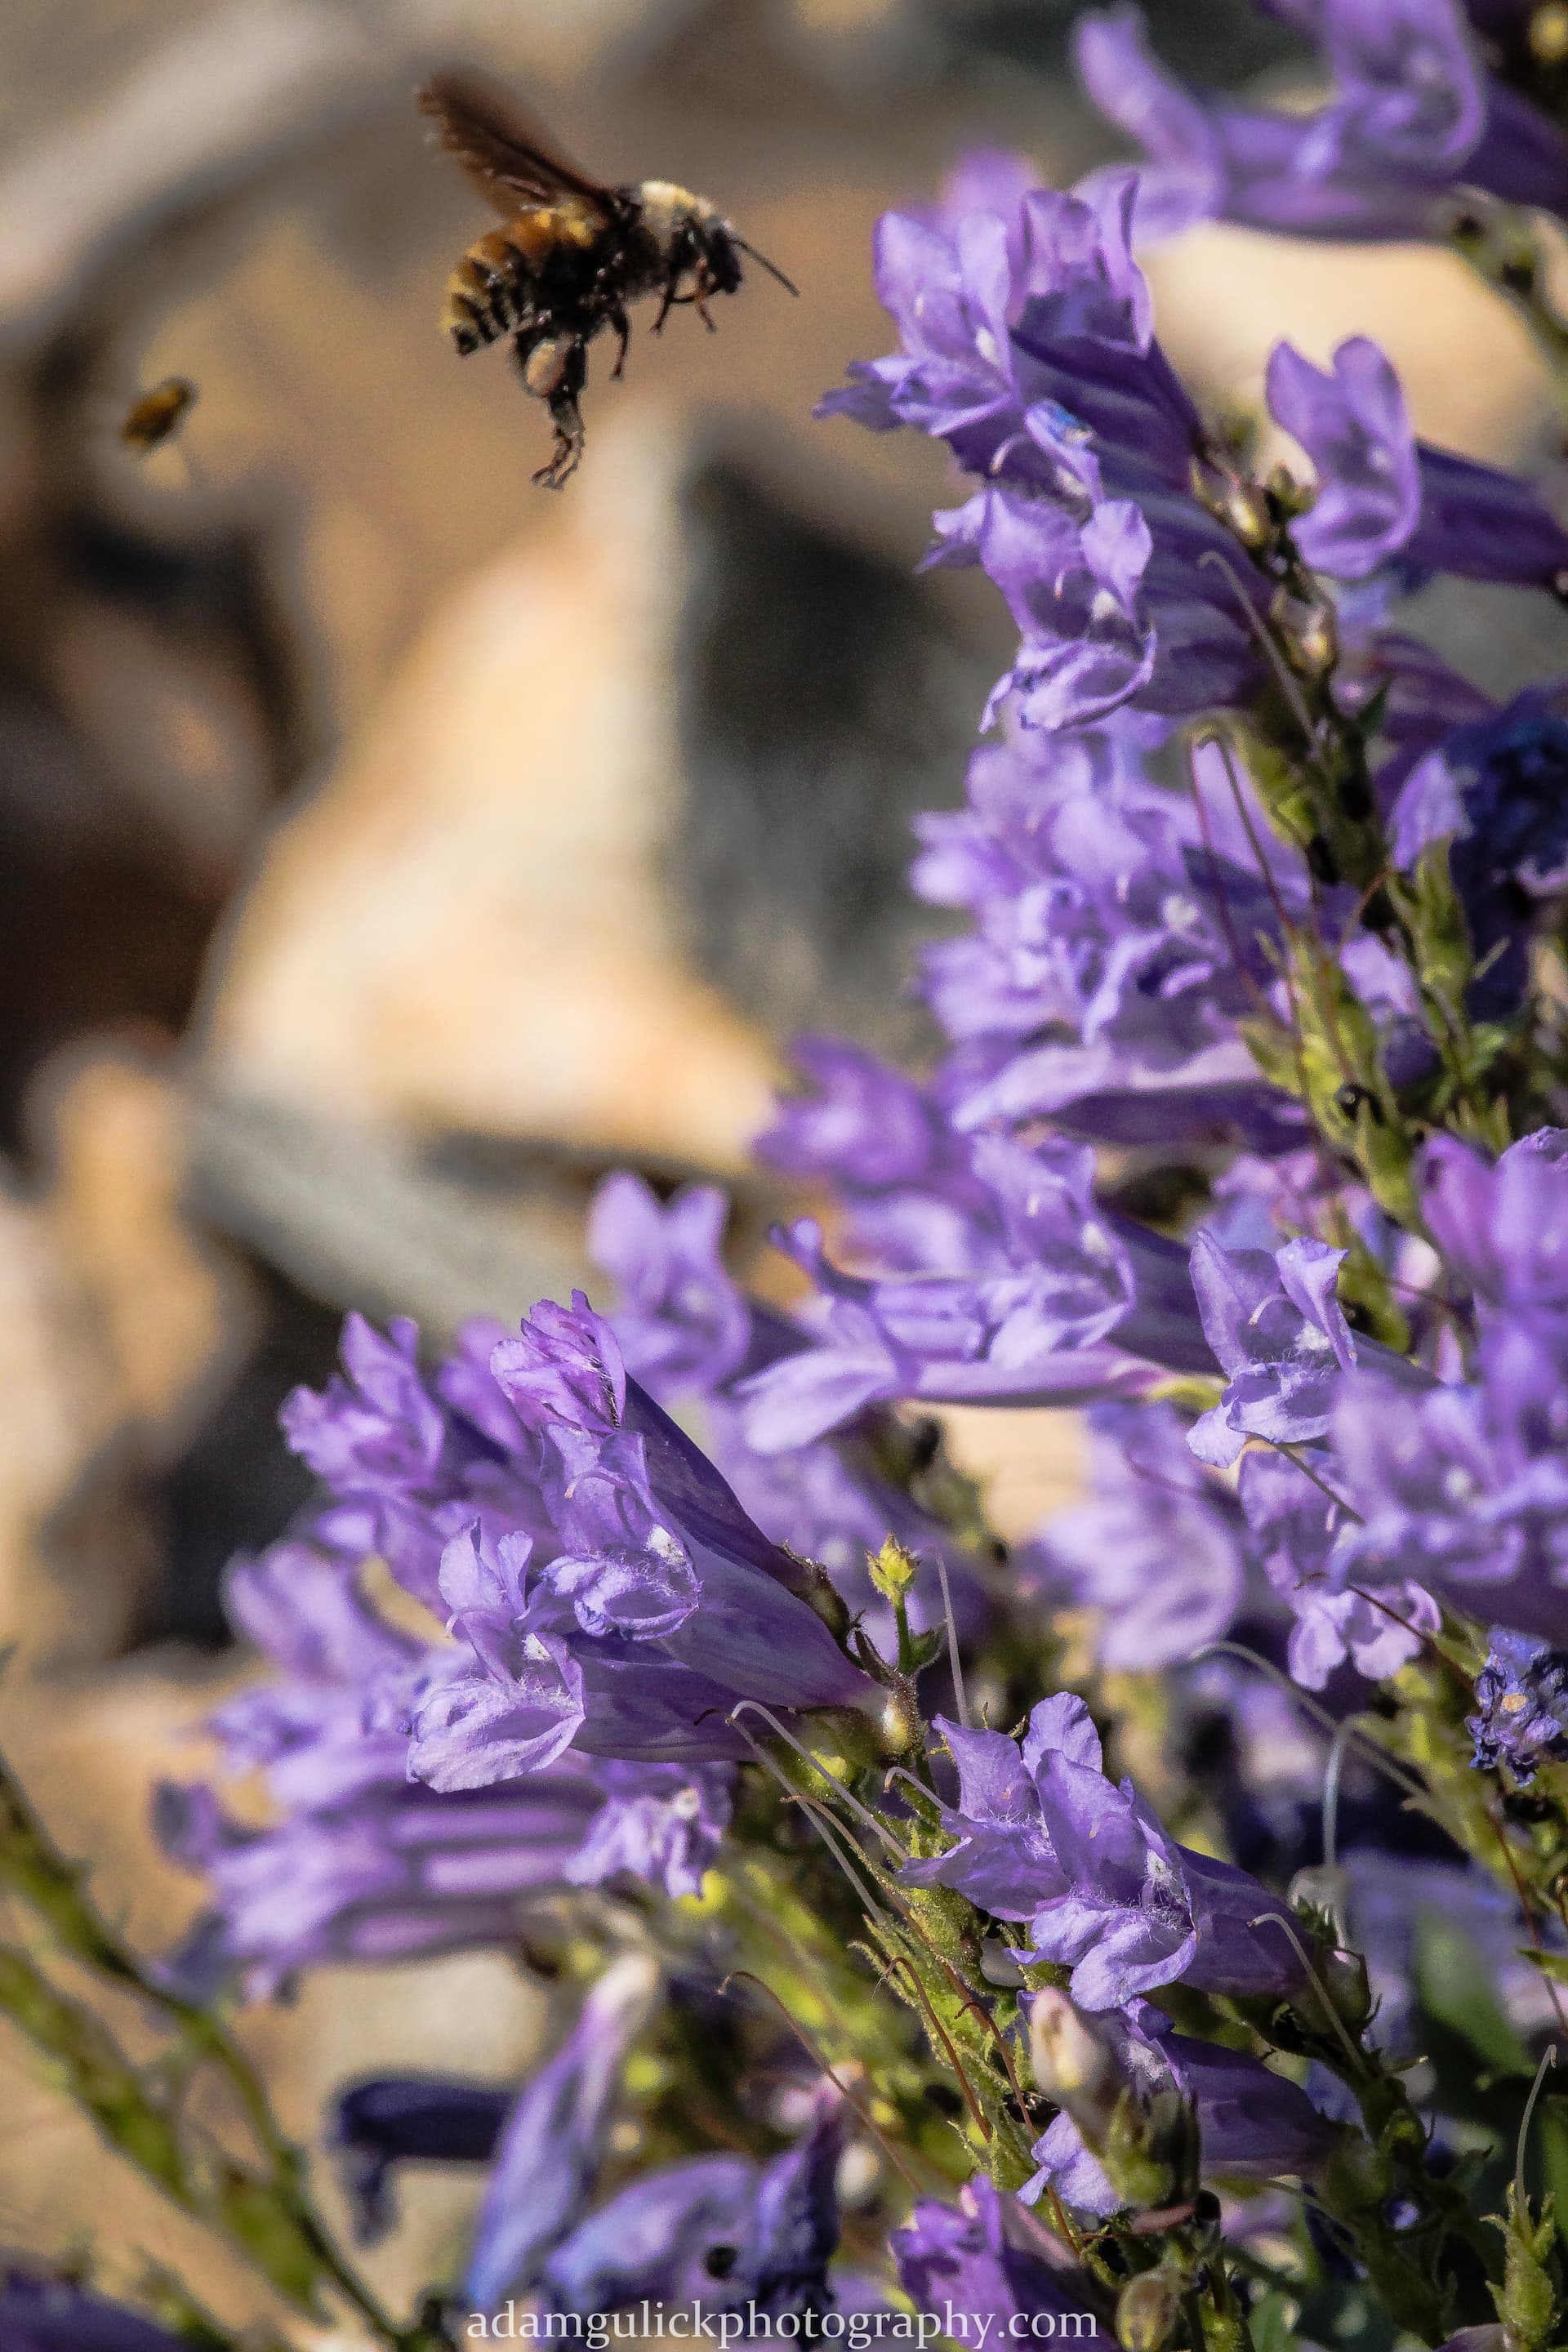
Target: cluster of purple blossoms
574,1600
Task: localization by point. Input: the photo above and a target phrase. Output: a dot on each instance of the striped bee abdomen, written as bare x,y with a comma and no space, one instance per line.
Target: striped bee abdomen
496,286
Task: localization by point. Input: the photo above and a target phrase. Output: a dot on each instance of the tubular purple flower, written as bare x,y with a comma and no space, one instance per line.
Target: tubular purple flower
672,2235
554,2139
1028,348
984,2258
1278,1331
1042,1836
1116,944
1158,1550
1295,1531
1413,117
1253,2125
1057,1301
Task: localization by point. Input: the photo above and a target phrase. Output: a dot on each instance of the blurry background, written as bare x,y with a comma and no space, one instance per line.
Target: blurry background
387,848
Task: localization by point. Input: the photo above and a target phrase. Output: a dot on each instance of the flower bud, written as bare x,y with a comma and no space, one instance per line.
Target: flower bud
1074,2064
1146,2311
892,1569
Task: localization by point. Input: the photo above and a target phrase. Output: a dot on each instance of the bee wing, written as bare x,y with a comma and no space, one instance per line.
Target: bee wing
492,138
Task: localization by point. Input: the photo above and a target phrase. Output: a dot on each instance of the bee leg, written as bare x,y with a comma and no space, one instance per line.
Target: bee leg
701,290
670,298
623,327
570,436
555,368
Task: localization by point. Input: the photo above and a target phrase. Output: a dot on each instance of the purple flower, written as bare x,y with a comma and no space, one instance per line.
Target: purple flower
660,1822
1054,1299
681,1321
1464,1488
554,2138
44,2313
1497,791
1502,1227
1296,1530
1253,2125
1028,346
827,1500
360,1863
1042,1836
674,2235
885,1145
1278,1331
1382,494
662,1604
1117,943
391,1874
1412,117
986,2257
1521,1707
1158,1550
392,2119
718,2233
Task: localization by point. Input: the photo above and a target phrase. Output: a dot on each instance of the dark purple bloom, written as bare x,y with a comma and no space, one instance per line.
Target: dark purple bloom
1497,791
1158,1550
1253,2125
1042,1836
1382,494
392,2119
1117,943
1296,1531
1052,1299
40,2313
1521,1706
1413,116
554,2138
986,2258
793,2228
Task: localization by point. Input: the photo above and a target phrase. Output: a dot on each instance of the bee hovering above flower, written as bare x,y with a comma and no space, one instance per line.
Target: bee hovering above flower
571,254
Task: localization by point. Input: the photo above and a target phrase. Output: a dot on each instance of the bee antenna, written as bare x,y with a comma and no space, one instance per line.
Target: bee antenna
770,266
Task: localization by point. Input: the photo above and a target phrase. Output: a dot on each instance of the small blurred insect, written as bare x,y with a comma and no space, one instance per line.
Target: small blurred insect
157,414
572,255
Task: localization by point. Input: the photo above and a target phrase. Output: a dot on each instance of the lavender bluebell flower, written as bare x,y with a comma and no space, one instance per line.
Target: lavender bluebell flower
554,2138
673,2234
1042,1836
1158,1551
1298,1533
1382,494
363,1864
984,2258
1028,347
1052,1298
827,1500
1413,116
1275,1324
394,2119
1253,2124
1521,1707
662,1605
1116,944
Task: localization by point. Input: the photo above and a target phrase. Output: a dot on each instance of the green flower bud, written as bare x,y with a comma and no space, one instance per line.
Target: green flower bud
1146,2311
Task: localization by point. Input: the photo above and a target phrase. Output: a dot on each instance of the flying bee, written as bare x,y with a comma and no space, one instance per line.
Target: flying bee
571,254
149,422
